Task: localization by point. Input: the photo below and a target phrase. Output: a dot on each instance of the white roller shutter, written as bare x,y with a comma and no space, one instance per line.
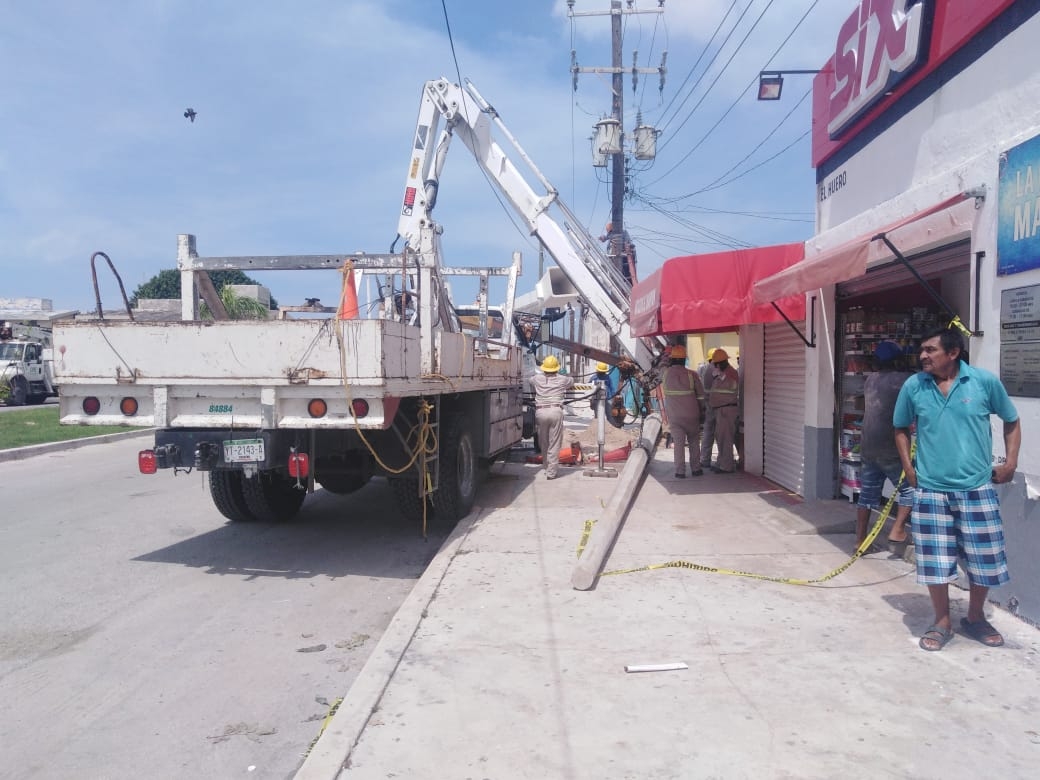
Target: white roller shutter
783,413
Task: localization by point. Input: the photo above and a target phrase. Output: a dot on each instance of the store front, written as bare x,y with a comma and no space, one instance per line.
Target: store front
712,294
926,144
889,303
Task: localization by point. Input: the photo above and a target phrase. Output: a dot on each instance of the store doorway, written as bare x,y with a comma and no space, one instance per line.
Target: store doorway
889,304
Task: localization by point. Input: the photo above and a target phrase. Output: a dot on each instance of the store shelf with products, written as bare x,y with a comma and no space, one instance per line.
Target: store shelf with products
861,331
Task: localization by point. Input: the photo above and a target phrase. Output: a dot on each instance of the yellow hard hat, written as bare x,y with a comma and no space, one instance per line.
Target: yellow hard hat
678,351
719,355
551,365
602,367
711,352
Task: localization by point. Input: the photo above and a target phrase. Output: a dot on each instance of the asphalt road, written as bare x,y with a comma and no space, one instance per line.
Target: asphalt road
143,636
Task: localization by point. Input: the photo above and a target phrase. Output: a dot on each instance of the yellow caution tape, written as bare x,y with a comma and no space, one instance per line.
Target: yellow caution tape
585,534
860,551
956,323
324,725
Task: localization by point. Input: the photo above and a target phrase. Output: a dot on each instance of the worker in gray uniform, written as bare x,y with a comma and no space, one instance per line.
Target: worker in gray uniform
723,399
683,403
549,391
707,374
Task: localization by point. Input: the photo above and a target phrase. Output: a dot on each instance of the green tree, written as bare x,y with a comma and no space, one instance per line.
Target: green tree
238,307
167,284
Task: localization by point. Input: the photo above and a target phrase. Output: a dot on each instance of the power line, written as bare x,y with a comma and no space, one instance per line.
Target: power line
707,67
742,92
714,185
759,165
715,81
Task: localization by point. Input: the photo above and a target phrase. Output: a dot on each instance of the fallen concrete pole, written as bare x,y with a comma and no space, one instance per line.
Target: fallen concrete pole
605,531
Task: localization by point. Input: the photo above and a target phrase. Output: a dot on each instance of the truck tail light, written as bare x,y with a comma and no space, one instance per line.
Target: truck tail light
128,406
146,461
317,407
360,407
91,405
299,465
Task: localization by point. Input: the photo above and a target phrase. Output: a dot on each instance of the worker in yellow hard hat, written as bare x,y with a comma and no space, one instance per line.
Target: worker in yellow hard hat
608,377
723,398
683,402
550,389
707,375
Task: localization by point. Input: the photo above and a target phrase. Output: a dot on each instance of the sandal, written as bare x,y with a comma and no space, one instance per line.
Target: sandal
982,632
935,638
898,549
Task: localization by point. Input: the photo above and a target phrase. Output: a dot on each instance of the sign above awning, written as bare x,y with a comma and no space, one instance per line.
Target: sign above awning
849,260
712,293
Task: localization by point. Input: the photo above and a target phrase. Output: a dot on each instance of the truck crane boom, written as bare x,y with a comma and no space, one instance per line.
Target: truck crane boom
465,113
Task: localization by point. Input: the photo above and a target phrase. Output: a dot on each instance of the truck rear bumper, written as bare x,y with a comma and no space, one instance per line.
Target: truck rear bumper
208,449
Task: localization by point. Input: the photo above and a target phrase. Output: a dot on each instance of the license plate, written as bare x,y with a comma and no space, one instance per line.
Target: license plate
244,451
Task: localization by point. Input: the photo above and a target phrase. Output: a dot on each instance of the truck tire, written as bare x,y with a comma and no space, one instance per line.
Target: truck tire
19,391
459,472
225,488
345,475
342,484
272,497
406,495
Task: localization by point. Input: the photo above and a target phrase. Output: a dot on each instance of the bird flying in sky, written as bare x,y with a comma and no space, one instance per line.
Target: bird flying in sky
190,114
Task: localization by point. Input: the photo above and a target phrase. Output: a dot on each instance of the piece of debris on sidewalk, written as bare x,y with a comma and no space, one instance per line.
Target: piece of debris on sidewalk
672,667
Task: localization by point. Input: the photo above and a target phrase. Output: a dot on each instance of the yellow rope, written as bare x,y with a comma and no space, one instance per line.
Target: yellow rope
425,437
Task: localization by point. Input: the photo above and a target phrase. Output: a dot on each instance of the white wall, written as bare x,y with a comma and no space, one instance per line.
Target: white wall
950,143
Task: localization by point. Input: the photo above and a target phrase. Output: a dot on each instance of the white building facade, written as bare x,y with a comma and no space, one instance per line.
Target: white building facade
926,128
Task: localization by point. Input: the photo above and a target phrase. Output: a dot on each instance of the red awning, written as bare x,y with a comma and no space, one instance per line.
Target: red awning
712,293
848,260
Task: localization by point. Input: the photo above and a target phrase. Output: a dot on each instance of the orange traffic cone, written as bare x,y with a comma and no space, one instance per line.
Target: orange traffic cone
621,453
568,456
571,455
348,303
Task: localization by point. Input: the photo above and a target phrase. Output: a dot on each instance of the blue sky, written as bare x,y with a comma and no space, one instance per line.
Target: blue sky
306,113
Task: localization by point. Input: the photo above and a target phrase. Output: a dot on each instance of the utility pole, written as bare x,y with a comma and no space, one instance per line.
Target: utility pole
617,189
609,140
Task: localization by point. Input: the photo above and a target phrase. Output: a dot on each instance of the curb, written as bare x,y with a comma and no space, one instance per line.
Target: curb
20,453
332,750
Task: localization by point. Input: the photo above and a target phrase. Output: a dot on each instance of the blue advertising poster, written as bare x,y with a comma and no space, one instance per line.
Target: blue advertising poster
1018,223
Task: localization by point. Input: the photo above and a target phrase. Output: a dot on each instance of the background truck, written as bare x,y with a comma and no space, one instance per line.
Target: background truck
26,365
270,408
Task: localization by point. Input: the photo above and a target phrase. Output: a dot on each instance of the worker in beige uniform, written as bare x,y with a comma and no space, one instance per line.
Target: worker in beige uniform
723,400
549,391
706,371
683,402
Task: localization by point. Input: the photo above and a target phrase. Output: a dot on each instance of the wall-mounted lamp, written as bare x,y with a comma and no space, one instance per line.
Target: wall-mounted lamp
771,82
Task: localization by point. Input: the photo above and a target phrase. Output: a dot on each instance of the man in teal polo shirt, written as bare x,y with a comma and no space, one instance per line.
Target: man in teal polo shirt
956,511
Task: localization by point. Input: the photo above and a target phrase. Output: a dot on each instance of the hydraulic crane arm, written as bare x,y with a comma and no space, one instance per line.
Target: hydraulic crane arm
466,114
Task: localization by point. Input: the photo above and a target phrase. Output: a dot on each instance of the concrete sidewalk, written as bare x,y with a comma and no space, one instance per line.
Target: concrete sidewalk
496,668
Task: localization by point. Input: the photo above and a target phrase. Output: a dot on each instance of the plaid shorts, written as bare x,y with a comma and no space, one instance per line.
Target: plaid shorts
948,523
872,476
